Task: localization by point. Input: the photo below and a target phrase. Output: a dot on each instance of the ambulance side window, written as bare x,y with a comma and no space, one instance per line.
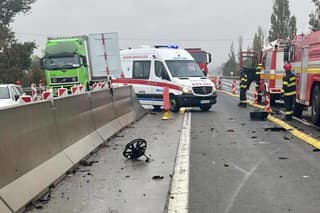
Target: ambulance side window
141,69
159,68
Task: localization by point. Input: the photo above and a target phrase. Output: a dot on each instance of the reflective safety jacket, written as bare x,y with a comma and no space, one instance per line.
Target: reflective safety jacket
289,85
243,81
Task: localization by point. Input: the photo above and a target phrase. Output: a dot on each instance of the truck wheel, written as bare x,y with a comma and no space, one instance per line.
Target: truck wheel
205,107
174,104
315,109
297,110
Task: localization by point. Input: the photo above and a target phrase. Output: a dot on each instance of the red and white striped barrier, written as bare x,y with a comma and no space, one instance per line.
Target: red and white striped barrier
81,89
95,86
34,93
74,90
234,87
25,99
62,92
19,85
219,83
46,95
102,85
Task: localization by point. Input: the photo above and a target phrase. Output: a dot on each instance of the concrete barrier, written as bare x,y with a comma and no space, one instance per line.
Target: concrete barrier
40,142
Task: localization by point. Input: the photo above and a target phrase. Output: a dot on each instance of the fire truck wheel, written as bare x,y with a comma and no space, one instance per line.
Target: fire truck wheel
205,107
315,109
297,110
174,104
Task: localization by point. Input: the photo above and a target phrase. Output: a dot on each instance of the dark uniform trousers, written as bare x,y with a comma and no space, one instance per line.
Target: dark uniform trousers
243,90
289,94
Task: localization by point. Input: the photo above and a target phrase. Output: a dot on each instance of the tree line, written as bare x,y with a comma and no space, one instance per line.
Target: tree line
16,62
283,26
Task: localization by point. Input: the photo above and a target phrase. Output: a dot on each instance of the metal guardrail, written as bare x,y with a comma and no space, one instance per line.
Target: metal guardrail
41,141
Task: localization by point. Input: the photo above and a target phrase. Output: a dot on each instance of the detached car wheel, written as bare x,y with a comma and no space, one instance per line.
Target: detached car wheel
205,107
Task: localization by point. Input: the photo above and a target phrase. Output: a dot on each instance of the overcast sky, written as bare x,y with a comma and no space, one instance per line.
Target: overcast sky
209,24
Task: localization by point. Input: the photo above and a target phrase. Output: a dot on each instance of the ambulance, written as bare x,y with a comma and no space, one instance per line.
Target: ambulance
151,69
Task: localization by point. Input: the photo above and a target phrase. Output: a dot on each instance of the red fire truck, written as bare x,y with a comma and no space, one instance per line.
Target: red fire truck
202,58
273,58
305,58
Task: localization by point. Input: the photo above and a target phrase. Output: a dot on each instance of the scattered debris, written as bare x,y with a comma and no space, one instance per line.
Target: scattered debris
87,163
230,130
135,149
127,176
280,176
226,165
253,137
119,136
306,176
283,158
119,190
264,142
212,129
275,129
88,181
157,177
286,138
243,124
144,195
316,150
259,115
84,170
253,132
39,204
231,119
203,154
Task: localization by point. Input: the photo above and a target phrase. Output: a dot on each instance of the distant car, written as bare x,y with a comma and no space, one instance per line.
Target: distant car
9,94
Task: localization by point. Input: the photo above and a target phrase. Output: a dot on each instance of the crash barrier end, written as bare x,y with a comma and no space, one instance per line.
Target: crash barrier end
54,136
182,110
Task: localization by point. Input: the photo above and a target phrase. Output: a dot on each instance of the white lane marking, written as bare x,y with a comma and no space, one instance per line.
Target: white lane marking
179,193
237,191
238,168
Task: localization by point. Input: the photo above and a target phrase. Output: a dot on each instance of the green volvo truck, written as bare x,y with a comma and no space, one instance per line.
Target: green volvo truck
70,61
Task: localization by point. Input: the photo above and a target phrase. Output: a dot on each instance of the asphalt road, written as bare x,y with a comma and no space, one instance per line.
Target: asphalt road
238,167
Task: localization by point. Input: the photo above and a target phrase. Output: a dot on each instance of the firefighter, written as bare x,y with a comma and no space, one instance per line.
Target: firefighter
257,76
243,89
289,91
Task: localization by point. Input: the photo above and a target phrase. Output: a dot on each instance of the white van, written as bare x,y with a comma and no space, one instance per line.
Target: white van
150,70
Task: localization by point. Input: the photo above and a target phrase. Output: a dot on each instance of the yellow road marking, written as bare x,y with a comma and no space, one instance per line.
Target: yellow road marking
294,131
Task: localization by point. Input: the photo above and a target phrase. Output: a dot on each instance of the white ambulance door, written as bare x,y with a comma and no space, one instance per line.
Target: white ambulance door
161,77
141,75
303,75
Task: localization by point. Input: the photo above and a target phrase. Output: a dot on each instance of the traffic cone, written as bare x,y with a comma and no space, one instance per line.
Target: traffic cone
166,104
234,87
268,107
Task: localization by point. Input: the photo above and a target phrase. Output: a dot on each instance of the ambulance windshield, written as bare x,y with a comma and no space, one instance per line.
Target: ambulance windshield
181,68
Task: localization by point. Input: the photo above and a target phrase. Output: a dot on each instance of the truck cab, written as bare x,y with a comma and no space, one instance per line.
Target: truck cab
151,69
201,57
65,62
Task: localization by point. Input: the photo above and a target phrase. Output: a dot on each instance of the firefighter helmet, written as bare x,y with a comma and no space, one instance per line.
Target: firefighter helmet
287,67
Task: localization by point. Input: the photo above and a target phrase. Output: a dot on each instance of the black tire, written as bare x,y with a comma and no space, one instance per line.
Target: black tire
156,108
315,108
297,110
205,107
174,104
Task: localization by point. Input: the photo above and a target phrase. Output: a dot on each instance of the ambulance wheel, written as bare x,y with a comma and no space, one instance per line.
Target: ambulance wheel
174,104
156,108
297,110
205,107
315,109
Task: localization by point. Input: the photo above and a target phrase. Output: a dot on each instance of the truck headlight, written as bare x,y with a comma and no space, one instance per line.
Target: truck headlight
186,90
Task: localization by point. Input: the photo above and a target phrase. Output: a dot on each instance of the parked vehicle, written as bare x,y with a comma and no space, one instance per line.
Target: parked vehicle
9,94
151,69
201,57
70,61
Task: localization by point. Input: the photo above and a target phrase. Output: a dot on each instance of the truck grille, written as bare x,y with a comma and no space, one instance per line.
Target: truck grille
202,90
62,80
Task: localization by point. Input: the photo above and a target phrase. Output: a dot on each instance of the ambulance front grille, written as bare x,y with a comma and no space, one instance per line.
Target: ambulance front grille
202,90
